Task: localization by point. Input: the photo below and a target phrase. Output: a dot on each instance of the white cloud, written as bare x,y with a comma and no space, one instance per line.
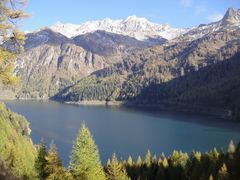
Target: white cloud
186,3
215,17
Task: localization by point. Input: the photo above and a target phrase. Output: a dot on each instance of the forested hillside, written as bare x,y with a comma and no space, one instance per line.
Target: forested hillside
16,148
216,86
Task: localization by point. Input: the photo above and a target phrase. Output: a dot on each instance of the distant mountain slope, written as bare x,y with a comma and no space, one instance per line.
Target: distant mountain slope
105,43
45,36
215,86
46,69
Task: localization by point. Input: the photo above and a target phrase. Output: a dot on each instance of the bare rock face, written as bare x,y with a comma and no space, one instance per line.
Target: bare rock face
47,68
106,43
232,17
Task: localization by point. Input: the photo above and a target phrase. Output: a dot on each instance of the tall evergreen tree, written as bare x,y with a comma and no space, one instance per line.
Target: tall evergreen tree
223,173
41,161
84,160
130,161
165,163
148,159
115,170
54,165
155,159
210,177
139,161
231,147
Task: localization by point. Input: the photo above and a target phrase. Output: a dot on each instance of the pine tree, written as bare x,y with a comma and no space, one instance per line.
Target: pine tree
54,165
148,159
139,161
231,147
84,160
223,173
155,159
130,161
210,177
115,170
41,162
165,163
11,13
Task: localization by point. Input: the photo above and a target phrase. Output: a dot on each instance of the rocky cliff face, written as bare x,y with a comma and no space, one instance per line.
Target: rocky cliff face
48,68
106,43
232,17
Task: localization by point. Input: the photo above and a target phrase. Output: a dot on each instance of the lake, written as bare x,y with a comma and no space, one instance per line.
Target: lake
124,131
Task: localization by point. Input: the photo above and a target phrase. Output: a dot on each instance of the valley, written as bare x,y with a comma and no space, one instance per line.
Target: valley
96,65
126,97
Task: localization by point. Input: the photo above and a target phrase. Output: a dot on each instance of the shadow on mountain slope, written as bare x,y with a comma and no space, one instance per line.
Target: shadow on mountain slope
215,86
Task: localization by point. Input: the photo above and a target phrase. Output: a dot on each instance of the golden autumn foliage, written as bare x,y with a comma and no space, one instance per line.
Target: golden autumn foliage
11,38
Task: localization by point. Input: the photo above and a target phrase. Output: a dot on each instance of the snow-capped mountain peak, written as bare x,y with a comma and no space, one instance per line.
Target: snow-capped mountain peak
143,29
133,26
135,18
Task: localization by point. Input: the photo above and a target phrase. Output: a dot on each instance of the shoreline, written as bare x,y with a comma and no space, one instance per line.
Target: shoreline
212,111
225,114
96,103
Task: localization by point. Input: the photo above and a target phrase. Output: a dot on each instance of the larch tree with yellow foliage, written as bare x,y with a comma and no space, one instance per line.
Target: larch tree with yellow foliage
85,161
11,38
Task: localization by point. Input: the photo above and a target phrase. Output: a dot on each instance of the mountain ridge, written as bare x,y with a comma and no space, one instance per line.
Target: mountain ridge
133,26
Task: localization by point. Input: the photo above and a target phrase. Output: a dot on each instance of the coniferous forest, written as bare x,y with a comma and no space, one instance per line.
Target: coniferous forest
85,163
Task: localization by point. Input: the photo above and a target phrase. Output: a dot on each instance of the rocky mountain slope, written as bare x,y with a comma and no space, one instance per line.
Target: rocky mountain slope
106,43
52,62
229,22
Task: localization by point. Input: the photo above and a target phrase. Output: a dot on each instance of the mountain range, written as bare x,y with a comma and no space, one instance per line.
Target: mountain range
134,61
132,26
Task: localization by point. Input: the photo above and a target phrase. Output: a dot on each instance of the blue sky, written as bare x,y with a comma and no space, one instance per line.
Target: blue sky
178,13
